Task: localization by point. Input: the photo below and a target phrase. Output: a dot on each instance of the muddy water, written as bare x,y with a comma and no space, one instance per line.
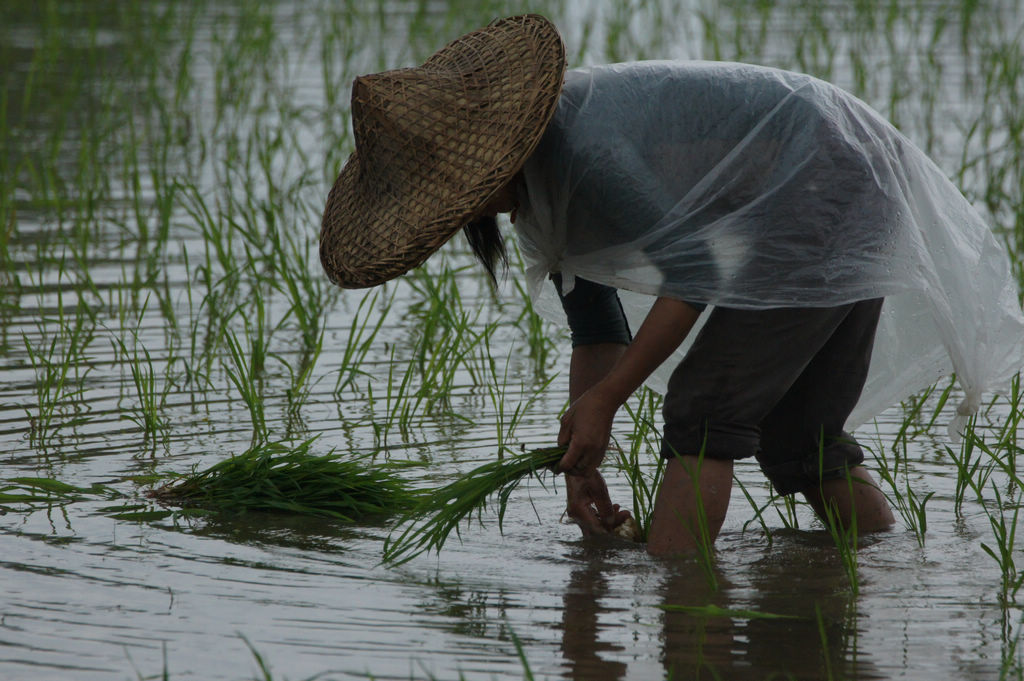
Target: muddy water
85,596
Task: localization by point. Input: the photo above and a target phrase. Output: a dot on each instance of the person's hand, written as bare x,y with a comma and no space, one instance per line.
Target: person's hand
589,505
585,430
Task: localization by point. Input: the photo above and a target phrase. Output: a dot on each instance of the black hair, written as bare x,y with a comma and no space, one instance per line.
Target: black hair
488,245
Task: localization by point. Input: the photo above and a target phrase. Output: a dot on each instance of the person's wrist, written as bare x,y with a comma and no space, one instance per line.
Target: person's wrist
608,395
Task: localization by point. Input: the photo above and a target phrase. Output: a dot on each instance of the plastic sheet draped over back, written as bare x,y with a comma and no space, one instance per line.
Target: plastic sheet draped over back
750,187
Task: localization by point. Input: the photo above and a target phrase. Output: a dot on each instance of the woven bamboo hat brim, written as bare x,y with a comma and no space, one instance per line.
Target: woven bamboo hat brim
433,144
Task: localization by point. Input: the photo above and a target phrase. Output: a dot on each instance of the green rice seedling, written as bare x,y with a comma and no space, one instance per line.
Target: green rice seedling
397,404
361,338
909,504
1007,437
642,442
479,364
22,494
196,365
971,471
438,362
149,392
1004,531
444,343
823,636
538,337
1012,664
218,273
61,367
506,423
437,304
845,538
308,295
439,512
245,373
788,511
300,385
702,533
287,477
758,511
521,654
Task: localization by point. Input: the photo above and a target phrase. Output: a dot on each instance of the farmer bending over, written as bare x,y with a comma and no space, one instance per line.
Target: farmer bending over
770,208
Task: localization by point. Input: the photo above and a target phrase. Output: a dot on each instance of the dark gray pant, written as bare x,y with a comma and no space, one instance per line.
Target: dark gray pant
777,384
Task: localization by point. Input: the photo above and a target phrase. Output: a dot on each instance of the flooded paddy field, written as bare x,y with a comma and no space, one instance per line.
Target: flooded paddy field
163,167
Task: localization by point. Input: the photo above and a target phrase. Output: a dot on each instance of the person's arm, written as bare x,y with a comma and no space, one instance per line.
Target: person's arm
586,426
591,363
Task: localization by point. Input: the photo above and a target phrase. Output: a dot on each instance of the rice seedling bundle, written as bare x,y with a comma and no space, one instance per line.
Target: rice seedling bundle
287,478
437,513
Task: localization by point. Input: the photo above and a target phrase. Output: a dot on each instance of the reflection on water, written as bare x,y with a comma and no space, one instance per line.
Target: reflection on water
792,614
162,169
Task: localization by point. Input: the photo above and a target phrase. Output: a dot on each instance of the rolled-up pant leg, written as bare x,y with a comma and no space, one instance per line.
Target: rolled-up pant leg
777,384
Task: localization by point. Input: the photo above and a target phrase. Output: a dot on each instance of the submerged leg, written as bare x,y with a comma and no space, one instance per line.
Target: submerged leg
691,505
857,497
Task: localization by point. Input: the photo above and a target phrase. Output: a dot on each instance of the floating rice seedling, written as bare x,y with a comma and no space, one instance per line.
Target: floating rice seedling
30,493
439,512
284,477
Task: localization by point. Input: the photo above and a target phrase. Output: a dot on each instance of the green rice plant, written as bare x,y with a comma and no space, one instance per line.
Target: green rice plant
909,504
1007,440
844,538
642,442
785,507
1004,530
150,393
300,385
823,637
538,338
397,404
699,530
758,510
972,472
506,423
439,360
21,494
361,338
308,295
245,372
287,477
1012,665
61,367
439,512
702,533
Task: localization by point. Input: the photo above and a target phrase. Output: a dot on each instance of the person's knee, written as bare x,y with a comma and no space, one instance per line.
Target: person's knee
852,499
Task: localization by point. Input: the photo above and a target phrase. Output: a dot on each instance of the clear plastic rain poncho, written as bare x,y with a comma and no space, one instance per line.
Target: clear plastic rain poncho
751,187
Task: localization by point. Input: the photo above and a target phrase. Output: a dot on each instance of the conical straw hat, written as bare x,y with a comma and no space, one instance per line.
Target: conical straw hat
433,144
